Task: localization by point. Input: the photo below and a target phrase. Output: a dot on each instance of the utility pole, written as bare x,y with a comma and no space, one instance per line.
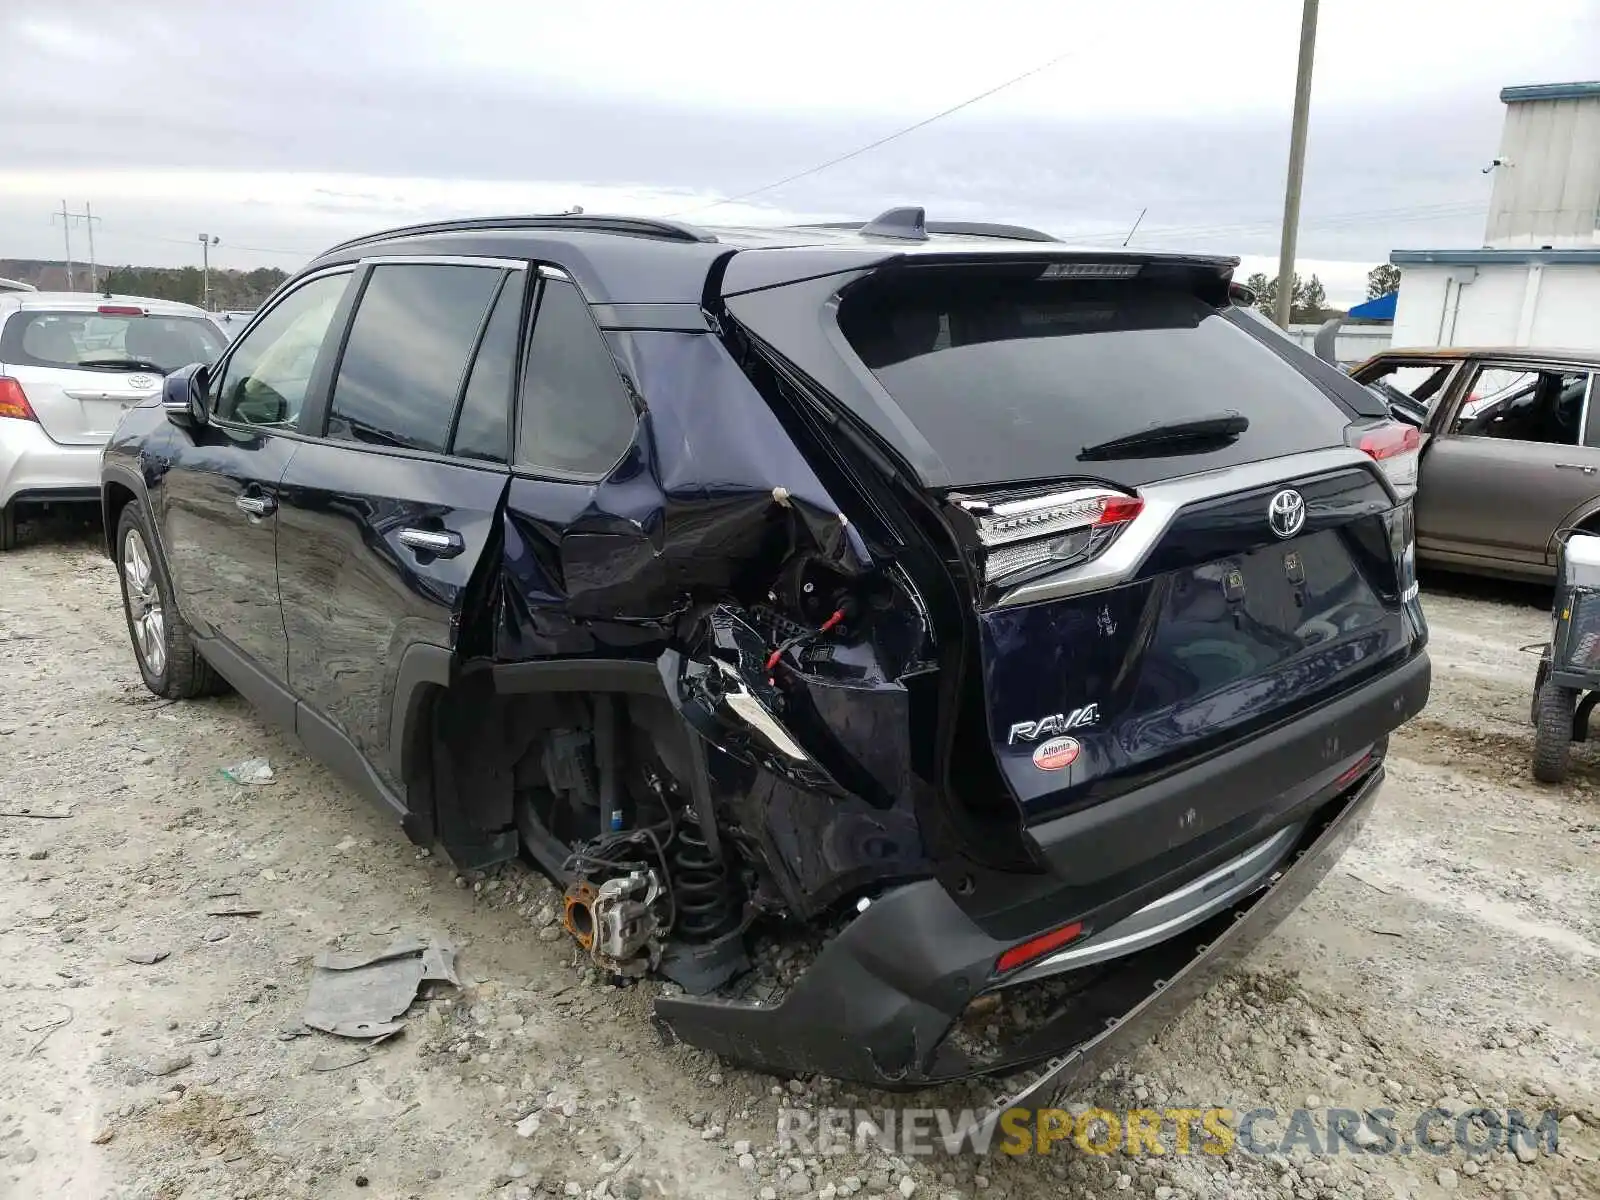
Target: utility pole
206,242
89,219
1297,163
67,218
66,232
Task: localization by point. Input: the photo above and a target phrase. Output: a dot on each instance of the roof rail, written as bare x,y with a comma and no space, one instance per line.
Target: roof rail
1016,233
652,227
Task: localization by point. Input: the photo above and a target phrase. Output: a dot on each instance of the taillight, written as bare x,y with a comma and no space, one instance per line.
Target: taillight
1395,447
1055,529
14,401
121,310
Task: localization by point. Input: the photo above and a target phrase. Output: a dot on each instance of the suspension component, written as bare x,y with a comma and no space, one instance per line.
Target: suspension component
702,888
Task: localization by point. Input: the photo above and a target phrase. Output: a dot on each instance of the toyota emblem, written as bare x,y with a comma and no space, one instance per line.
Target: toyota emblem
1287,513
141,381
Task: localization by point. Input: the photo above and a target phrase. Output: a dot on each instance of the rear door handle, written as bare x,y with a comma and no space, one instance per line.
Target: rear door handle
1584,467
256,506
445,543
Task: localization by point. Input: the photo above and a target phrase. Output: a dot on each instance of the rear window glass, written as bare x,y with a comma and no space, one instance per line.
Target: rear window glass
1010,378
91,341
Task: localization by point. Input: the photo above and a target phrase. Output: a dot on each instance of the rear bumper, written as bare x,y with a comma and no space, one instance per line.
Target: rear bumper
877,1004
33,468
883,996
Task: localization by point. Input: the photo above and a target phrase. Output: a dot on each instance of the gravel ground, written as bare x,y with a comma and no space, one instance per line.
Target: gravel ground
1453,957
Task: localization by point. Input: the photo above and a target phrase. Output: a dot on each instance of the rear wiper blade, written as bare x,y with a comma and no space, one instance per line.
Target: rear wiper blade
1169,437
121,364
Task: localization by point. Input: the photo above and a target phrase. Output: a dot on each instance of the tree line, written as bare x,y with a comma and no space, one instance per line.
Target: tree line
229,288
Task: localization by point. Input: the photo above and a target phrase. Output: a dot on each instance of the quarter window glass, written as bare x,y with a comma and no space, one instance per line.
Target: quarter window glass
484,427
265,380
576,416
407,353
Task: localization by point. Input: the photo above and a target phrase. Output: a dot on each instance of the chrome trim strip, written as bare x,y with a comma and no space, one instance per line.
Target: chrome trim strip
441,260
554,273
1171,914
1161,504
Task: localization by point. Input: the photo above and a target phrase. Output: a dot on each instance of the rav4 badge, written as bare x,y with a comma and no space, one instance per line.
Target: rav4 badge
1056,753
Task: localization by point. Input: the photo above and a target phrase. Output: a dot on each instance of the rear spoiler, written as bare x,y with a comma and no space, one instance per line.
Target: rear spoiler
757,269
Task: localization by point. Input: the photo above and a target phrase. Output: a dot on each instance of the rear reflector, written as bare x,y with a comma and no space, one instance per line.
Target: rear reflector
121,310
1394,447
1037,947
14,401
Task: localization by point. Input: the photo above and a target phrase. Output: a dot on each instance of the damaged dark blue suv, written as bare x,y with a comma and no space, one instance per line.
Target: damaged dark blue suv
1006,615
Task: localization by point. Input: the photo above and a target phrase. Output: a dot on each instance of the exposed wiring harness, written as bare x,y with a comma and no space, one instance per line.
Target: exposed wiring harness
788,644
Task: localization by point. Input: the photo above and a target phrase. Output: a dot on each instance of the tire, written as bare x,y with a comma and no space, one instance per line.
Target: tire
1538,686
162,643
8,527
1552,740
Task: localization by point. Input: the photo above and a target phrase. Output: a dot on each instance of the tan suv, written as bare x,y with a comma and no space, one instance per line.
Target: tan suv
1510,454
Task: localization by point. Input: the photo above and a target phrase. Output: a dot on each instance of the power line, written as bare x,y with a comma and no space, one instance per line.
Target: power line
883,141
1333,220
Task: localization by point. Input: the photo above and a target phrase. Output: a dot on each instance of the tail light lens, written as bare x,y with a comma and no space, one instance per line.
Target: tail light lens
14,401
1395,447
1054,529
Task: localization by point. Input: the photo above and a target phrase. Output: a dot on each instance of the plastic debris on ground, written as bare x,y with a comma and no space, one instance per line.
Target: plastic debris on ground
366,996
252,771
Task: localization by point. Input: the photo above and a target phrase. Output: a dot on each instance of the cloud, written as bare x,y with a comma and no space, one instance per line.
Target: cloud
289,125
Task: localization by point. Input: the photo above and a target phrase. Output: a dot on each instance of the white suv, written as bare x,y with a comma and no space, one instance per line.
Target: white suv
70,364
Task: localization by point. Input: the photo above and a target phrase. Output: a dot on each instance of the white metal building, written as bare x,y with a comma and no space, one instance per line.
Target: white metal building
1536,279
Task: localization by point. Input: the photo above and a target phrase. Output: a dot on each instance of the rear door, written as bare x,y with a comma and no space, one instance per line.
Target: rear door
1507,464
82,368
391,505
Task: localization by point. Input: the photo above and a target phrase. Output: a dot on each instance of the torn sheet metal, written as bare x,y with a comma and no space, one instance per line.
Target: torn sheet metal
364,995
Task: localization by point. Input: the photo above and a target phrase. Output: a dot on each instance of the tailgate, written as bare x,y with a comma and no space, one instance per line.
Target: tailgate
1225,629
82,408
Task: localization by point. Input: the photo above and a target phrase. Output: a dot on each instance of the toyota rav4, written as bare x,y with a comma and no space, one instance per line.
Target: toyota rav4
1007,617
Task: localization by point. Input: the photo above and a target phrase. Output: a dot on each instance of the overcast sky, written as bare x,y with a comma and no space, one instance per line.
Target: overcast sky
282,127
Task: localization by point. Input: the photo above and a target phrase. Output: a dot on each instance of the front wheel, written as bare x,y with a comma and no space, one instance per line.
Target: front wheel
162,644
1552,738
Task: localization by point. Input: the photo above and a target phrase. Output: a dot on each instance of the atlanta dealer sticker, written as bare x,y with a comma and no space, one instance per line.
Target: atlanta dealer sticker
1056,753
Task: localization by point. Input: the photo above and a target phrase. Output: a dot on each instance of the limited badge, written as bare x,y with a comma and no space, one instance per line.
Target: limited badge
1056,753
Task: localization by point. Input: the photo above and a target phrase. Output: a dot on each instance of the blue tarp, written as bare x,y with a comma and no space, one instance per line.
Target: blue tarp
1379,309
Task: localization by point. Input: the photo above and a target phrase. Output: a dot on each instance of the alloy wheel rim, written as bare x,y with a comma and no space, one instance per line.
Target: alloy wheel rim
144,604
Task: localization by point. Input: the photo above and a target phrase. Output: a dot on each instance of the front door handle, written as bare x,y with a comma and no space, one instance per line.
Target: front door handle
436,543
1584,467
256,506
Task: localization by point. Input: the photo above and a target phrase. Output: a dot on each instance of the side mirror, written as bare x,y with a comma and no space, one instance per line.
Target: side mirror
183,396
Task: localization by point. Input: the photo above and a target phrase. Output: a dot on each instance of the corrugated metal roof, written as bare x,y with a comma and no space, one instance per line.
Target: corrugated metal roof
1549,91
1478,258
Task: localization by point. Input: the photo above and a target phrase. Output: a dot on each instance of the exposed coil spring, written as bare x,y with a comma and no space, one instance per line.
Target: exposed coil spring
701,887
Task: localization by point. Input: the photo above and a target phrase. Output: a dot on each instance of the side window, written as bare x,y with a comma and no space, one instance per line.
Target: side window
407,353
576,416
1518,404
265,380
483,430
